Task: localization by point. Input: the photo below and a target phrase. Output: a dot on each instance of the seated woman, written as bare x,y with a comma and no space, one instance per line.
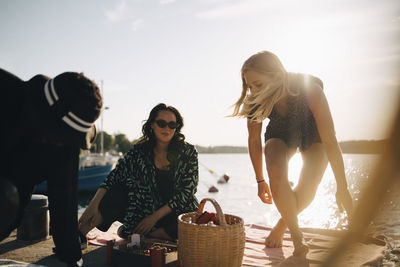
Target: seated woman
151,185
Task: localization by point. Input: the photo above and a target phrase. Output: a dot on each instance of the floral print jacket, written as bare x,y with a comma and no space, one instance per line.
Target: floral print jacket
137,170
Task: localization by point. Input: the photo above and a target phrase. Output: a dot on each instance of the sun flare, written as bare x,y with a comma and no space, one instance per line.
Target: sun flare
308,49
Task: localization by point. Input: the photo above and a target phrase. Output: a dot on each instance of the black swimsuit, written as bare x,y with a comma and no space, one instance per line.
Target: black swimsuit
165,186
297,128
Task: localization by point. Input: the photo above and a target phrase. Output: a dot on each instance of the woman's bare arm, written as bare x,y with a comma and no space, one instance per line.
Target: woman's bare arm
323,118
255,151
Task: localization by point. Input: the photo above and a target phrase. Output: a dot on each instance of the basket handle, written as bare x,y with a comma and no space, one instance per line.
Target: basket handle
220,214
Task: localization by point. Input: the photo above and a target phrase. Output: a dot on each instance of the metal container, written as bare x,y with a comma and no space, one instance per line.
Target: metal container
35,223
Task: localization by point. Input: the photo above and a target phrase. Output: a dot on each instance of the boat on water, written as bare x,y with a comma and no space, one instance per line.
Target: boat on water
93,169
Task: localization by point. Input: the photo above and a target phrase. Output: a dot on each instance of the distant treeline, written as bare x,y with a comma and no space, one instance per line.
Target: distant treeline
221,149
120,143
363,146
349,147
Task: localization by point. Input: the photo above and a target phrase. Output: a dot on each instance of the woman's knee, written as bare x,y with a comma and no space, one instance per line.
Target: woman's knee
276,158
277,170
314,166
316,156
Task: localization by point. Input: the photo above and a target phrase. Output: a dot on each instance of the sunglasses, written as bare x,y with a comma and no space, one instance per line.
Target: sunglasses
162,124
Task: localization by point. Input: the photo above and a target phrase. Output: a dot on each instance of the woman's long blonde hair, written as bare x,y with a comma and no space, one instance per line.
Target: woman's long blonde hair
258,106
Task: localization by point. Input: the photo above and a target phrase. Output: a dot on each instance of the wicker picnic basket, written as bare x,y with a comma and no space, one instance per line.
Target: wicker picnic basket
204,246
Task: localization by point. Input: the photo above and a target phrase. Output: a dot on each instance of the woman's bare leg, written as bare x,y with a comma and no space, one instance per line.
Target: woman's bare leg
277,156
274,239
314,166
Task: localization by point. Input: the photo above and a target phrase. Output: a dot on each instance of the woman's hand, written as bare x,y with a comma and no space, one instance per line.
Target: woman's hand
344,200
89,219
263,193
92,216
145,226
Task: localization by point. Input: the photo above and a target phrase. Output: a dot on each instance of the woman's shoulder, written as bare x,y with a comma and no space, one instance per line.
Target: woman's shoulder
188,145
137,149
309,89
188,148
304,82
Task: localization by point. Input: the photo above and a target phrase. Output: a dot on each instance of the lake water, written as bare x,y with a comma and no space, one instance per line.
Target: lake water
239,195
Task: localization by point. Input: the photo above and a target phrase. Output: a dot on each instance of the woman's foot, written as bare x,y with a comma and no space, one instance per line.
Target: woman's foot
300,245
275,238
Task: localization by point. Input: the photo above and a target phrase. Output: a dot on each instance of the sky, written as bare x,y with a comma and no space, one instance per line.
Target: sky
188,54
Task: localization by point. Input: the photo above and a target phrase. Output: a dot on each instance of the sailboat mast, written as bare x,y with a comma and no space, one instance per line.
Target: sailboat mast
101,123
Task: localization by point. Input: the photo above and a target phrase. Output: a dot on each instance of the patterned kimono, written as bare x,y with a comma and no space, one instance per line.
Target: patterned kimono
137,171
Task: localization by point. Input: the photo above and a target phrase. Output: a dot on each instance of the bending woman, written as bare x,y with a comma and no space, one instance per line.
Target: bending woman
299,117
151,185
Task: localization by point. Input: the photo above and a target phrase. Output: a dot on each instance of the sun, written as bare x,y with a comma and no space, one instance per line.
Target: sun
308,49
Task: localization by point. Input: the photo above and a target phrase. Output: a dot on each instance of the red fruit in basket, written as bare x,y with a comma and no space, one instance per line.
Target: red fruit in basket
206,217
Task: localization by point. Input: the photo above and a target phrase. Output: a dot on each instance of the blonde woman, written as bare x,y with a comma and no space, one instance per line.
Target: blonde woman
299,117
